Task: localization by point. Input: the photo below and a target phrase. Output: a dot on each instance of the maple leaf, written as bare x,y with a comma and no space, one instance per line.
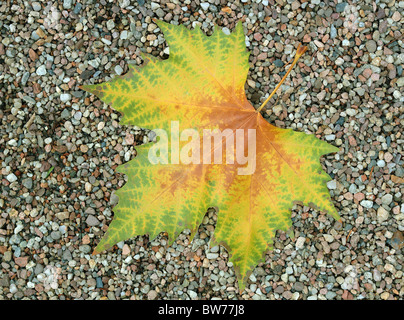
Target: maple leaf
201,86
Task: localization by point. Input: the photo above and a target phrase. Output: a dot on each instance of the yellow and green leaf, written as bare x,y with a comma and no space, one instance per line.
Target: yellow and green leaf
201,86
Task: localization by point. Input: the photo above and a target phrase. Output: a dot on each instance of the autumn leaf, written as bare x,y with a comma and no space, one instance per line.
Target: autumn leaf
200,87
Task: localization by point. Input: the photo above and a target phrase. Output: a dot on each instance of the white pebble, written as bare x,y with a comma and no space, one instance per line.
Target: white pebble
118,70
13,288
64,97
212,256
124,35
339,61
154,6
41,71
332,184
382,214
226,30
69,127
300,243
101,125
110,24
205,6
11,177
88,187
381,163
367,204
351,112
18,228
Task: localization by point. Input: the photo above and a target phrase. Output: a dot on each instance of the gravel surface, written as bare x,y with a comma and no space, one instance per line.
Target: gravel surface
59,148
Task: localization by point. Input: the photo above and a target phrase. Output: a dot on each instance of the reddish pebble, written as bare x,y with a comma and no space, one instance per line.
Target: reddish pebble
257,36
359,196
352,141
125,249
367,73
347,295
306,38
375,76
21,261
86,239
129,138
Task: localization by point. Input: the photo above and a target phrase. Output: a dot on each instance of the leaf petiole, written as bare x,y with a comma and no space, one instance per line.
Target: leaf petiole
299,52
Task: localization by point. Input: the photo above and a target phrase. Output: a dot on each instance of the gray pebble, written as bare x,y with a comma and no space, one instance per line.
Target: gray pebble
330,295
298,286
340,7
25,78
85,248
56,235
92,221
371,46
67,255
387,199
27,183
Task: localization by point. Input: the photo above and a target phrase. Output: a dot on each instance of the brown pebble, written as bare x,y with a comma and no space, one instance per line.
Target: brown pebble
396,179
86,239
397,241
84,148
36,87
32,54
306,38
60,148
40,33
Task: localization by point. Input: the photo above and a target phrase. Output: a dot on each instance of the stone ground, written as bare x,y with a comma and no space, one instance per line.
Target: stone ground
59,147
